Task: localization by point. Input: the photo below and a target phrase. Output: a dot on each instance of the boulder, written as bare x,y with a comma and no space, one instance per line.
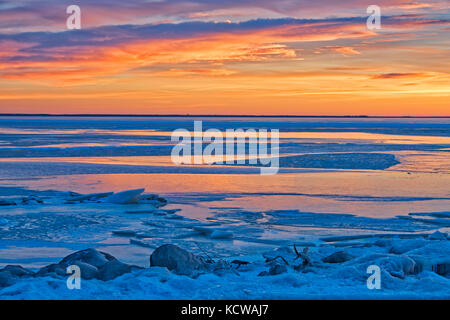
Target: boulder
52,270
7,203
87,271
17,271
89,256
338,257
113,269
177,260
277,269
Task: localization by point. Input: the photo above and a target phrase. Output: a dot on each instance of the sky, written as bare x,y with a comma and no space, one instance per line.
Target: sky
252,57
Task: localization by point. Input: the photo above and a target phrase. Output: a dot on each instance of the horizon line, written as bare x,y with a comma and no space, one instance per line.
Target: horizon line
204,115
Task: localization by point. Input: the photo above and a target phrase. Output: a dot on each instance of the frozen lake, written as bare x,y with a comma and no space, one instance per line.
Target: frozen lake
330,183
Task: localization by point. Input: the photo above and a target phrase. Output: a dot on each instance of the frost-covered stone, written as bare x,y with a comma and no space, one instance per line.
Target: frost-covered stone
277,269
178,260
7,203
89,256
87,271
338,257
52,270
113,269
17,271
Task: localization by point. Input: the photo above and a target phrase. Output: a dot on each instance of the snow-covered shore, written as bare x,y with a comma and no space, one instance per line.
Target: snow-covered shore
412,254
404,275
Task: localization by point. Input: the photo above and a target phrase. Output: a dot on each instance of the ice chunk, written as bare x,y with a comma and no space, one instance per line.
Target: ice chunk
125,197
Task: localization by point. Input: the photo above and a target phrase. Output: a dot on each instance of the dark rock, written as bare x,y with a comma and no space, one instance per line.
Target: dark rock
178,260
240,263
277,269
54,269
87,271
338,257
89,256
7,203
17,271
113,269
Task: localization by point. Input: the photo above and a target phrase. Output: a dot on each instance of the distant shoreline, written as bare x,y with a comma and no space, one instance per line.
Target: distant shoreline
209,116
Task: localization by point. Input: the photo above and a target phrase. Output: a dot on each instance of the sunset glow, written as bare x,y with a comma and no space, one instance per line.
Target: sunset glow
290,57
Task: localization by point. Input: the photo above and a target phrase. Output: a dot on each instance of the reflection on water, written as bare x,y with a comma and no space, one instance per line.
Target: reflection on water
370,193
419,183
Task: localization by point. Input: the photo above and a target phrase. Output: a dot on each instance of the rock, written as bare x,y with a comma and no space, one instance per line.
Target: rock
178,260
338,257
277,269
17,271
6,279
89,256
113,269
240,263
53,270
87,271
220,234
7,203
125,197
203,230
274,270
438,236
